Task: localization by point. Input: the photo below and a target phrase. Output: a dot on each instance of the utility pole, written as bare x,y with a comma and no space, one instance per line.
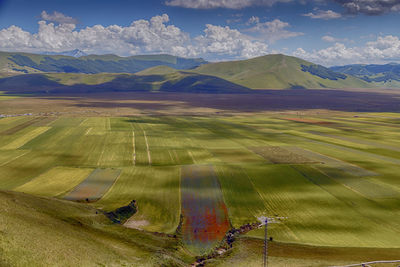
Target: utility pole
265,220
266,243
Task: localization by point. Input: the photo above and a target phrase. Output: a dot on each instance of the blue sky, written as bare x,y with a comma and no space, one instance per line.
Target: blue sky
330,32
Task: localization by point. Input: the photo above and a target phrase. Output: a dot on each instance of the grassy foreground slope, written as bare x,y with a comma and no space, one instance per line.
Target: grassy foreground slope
248,251
37,231
279,72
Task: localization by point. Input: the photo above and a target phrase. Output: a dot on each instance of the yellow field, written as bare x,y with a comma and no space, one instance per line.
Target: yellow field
22,140
6,97
55,182
6,156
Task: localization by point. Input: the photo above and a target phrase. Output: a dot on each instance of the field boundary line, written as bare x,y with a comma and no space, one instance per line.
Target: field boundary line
352,150
80,124
171,157
180,196
134,148
191,155
255,189
365,263
113,184
102,152
265,203
108,124
26,138
88,131
330,177
17,157
371,143
147,145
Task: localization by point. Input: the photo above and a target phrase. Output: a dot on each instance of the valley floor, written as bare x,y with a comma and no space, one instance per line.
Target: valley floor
330,169
162,103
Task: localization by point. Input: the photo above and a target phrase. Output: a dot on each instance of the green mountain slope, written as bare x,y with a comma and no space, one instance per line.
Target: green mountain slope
33,63
280,72
39,231
106,82
387,75
158,70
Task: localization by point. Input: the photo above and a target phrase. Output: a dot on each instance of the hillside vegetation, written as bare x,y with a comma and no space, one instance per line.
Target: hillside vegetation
64,83
158,70
38,231
106,73
33,63
387,75
279,72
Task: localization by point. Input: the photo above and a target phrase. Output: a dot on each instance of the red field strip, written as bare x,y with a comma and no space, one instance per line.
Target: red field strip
205,216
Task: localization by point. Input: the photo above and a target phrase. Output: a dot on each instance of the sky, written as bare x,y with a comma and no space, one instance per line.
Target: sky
327,32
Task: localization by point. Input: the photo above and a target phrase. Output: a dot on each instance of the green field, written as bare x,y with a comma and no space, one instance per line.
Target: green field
335,178
6,97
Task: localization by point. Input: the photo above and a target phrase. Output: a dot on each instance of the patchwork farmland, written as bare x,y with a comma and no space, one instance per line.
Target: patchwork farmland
335,178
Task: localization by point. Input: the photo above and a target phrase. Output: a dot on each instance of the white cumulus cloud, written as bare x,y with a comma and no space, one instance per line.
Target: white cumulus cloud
271,31
140,37
253,20
219,40
383,50
331,39
370,7
323,14
231,4
57,17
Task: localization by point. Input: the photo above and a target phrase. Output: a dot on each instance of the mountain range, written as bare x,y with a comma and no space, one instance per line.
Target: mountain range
34,73
387,74
71,53
35,63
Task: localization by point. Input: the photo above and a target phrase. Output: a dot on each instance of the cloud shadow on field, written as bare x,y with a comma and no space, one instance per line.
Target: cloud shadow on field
265,100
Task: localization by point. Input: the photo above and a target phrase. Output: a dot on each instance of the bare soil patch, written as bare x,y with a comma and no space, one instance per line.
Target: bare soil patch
279,155
136,224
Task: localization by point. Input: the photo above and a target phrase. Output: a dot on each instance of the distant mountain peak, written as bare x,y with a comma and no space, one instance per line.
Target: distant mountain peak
75,62
71,53
385,73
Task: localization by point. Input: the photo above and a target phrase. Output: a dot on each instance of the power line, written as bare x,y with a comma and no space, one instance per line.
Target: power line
367,263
